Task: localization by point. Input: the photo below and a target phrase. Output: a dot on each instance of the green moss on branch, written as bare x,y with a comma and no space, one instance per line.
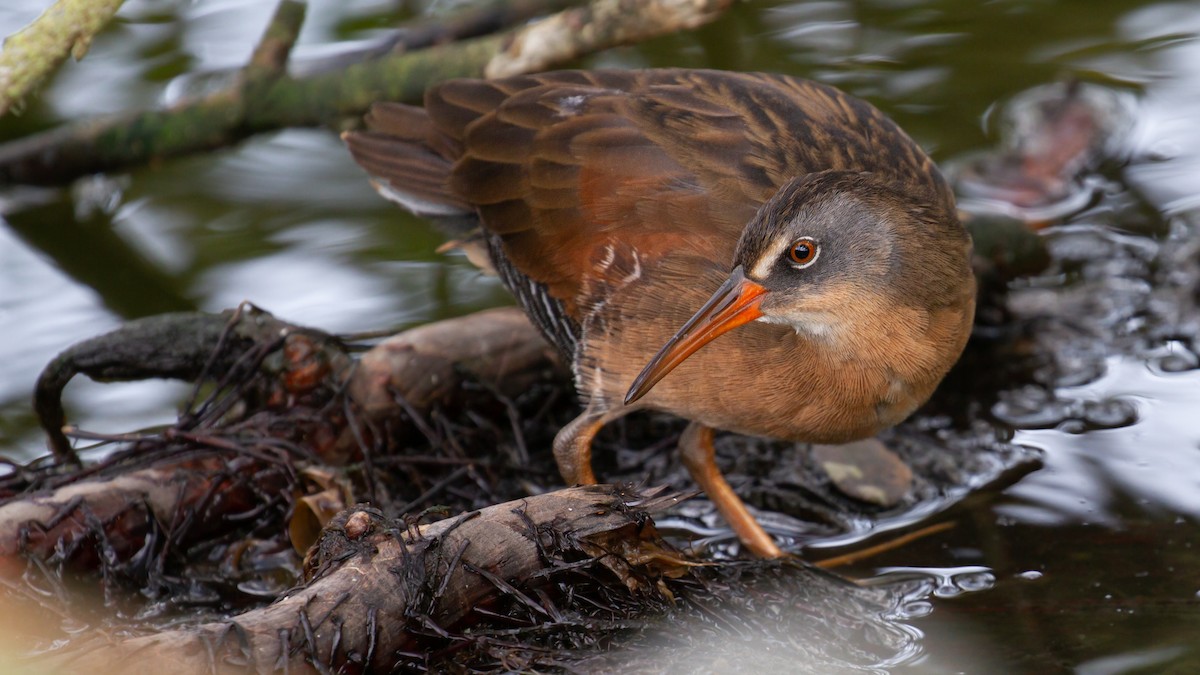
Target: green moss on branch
31,55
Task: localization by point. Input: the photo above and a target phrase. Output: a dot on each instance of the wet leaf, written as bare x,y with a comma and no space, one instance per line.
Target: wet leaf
313,512
866,470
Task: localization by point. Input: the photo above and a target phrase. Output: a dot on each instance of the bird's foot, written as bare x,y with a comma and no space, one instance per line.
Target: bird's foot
699,456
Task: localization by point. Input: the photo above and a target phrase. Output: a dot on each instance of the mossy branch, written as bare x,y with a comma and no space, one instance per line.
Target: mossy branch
264,103
31,55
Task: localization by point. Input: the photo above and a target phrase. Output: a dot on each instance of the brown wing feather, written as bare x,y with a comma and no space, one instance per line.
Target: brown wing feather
560,165
408,159
565,160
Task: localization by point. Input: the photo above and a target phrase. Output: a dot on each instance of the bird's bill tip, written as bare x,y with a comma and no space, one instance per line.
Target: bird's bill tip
736,303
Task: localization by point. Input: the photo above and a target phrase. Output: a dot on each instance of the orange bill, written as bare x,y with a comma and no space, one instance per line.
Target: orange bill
734,304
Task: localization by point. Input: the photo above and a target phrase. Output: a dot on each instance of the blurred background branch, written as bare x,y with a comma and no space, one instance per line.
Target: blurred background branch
31,55
266,99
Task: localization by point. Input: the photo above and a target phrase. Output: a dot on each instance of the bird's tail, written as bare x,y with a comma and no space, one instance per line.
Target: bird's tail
409,163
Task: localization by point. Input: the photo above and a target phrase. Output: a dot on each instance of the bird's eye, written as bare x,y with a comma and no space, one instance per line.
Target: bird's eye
804,252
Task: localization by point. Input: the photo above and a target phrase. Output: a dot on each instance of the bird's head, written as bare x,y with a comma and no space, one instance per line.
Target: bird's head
829,255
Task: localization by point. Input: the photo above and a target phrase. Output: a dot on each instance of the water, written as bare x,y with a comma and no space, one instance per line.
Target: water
1086,565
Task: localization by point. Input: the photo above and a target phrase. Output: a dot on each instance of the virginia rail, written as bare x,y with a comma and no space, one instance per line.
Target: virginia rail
638,215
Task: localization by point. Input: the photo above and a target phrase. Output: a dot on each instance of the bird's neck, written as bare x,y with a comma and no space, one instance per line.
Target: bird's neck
835,378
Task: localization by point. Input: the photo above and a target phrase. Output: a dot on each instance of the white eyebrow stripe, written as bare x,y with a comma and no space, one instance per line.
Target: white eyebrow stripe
762,266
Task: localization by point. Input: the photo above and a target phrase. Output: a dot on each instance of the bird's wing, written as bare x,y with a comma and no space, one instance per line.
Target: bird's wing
573,169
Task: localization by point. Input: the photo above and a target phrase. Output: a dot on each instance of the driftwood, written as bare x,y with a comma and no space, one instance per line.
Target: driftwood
238,443
127,519
400,380
428,364
536,583
528,601
394,384
382,595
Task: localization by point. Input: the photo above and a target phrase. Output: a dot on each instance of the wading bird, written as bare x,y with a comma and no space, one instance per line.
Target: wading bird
639,215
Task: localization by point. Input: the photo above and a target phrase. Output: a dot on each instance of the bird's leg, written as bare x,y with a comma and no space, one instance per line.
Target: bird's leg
699,456
573,448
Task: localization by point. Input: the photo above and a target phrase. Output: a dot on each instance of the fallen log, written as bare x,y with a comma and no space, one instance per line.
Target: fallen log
243,460
385,596
123,523
447,365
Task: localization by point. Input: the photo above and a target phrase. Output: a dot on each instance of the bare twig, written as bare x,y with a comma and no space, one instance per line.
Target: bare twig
488,18
600,25
271,54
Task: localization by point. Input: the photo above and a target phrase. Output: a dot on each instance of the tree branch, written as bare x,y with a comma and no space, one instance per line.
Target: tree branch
271,54
30,55
260,104
602,24
488,18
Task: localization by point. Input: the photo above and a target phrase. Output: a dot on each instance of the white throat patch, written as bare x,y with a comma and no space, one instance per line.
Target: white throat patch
817,325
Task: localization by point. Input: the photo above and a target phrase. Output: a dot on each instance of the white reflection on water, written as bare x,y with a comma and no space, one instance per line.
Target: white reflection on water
1168,129
1156,462
1130,662
41,312
308,288
297,168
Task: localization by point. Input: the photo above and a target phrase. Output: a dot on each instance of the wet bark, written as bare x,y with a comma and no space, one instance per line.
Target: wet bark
225,349
123,524
287,401
400,380
380,594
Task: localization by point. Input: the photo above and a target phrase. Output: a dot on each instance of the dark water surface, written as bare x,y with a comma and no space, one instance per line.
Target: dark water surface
1090,564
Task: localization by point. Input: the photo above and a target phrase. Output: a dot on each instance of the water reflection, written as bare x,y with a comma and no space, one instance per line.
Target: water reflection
1154,463
31,287
1168,132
